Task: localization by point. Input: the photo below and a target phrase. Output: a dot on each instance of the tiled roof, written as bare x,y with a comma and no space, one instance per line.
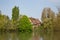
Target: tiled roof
35,21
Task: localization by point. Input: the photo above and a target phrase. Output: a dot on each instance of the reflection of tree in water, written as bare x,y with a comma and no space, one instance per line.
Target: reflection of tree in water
29,36
37,36
15,36
25,36
56,36
2,36
8,36
48,36
52,36
42,36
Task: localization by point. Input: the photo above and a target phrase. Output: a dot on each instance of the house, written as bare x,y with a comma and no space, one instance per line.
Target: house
35,22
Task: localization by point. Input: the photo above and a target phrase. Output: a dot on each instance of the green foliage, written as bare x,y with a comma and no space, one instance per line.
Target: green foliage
48,17
58,19
24,36
3,21
21,23
24,24
15,13
57,22
15,17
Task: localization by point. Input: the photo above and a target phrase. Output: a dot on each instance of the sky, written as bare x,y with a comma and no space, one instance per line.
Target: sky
31,8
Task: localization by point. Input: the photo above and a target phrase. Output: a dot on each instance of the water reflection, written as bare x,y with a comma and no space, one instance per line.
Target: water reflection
56,36
29,36
48,36
37,36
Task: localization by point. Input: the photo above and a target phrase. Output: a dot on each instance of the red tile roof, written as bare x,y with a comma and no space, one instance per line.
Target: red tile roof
35,21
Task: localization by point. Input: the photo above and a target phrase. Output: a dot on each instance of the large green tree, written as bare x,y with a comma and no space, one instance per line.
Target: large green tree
15,13
15,17
24,24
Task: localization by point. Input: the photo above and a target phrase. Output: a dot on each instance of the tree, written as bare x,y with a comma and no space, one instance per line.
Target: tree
58,20
15,13
43,15
48,18
15,17
3,22
24,24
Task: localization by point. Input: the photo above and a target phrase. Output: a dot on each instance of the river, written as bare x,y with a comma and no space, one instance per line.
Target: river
29,36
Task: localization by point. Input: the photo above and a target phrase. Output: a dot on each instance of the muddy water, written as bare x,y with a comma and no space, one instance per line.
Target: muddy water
29,36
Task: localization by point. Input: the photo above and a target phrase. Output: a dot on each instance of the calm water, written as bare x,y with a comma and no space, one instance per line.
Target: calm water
29,36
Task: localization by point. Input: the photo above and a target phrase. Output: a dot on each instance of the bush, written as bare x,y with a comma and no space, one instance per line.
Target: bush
24,24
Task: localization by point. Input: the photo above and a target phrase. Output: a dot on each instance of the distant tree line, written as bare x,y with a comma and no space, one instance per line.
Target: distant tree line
17,23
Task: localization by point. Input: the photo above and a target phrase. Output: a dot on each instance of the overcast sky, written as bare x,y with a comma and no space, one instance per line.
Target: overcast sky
31,8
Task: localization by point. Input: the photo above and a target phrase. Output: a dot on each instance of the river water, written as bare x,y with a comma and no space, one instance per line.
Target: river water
29,36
